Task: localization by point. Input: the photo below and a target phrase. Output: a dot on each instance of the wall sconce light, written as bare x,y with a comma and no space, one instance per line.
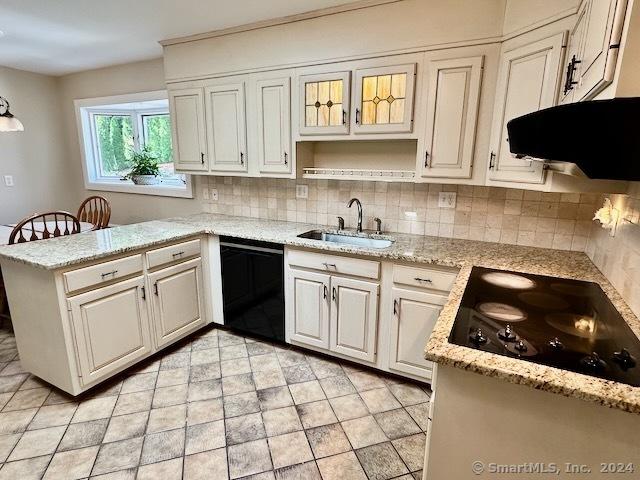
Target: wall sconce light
8,123
608,216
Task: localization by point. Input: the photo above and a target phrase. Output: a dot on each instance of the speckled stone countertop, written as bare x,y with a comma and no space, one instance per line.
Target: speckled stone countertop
463,254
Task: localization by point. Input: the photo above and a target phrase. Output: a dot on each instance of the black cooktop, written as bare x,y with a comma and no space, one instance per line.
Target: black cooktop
568,324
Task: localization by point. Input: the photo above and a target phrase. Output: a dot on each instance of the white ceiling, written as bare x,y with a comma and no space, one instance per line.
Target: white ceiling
57,37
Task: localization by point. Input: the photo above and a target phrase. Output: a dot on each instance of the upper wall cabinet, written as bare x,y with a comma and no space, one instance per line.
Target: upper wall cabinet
324,103
274,125
384,99
453,94
369,99
189,136
527,82
237,125
226,127
593,48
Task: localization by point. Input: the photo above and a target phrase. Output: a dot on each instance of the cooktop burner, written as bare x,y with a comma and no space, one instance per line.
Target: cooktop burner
568,324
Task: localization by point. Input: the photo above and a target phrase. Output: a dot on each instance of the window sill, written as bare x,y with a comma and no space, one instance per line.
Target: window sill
185,191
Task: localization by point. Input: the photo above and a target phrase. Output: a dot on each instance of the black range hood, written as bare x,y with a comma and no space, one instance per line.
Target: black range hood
601,137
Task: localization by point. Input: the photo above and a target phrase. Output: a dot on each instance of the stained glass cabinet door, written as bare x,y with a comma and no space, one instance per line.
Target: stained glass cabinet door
324,104
384,99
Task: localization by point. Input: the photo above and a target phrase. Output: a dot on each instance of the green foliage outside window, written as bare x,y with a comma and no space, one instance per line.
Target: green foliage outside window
116,144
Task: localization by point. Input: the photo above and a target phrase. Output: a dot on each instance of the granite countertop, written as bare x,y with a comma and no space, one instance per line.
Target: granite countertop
64,252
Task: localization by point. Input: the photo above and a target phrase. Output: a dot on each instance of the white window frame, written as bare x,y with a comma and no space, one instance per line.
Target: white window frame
93,180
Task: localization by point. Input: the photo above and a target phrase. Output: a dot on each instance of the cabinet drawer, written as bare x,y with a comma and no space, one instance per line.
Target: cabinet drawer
101,273
334,264
424,277
183,250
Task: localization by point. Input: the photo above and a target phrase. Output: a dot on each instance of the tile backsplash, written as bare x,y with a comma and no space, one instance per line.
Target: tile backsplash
618,257
553,220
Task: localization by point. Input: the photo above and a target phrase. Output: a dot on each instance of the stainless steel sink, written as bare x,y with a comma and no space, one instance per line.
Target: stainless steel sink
362,240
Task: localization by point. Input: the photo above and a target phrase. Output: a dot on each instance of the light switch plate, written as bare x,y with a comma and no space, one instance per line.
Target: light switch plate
302,191
8,180
447,200
214,194
205,194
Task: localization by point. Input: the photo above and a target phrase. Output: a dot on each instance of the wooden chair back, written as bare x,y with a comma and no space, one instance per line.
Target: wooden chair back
95,210
41,226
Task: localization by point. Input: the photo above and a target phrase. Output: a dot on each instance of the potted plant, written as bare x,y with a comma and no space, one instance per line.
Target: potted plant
144,168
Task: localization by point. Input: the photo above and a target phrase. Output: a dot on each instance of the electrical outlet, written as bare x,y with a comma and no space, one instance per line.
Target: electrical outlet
447,200
302,191
205,194
214,194
8,180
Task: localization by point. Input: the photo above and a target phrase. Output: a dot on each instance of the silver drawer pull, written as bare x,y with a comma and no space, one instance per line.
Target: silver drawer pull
105,275
329,265
425,280
178,254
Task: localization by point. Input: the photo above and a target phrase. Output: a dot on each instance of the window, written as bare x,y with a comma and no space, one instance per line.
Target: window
113,128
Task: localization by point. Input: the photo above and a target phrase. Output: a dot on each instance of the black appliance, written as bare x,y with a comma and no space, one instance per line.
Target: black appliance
562,323
253,286
599,136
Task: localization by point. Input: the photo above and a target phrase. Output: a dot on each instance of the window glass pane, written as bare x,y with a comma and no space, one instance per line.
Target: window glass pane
336,91
369,88
383,99
157,138
323,103
335,114
114,134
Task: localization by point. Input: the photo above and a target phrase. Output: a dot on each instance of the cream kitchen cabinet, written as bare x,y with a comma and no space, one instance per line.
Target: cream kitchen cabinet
384,99
247,125
226,126
110,327
308,294
593,48
324,103
97,318
414,316
177,300
453,95
354,318
329,311
273,116
186,106
527,82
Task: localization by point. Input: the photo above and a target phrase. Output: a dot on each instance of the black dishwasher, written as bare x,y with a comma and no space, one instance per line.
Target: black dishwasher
253,286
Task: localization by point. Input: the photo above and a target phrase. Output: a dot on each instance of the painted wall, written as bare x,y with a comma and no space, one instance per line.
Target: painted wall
121,79
383,28
519,14
36,157
618,257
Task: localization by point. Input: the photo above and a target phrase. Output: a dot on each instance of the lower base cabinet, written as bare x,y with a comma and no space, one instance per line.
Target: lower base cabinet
333,313
308,293
354,318
414,316
177,300
111,328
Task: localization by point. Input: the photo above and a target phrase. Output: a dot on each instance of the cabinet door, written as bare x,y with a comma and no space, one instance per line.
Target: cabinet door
324,104
384,99
603,30
226,127
354,318
274,125
414,316
309,293
177,300
111,328
452,110
527,82
572,63
188,129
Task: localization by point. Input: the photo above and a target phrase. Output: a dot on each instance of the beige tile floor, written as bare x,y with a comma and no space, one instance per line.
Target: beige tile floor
215,406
